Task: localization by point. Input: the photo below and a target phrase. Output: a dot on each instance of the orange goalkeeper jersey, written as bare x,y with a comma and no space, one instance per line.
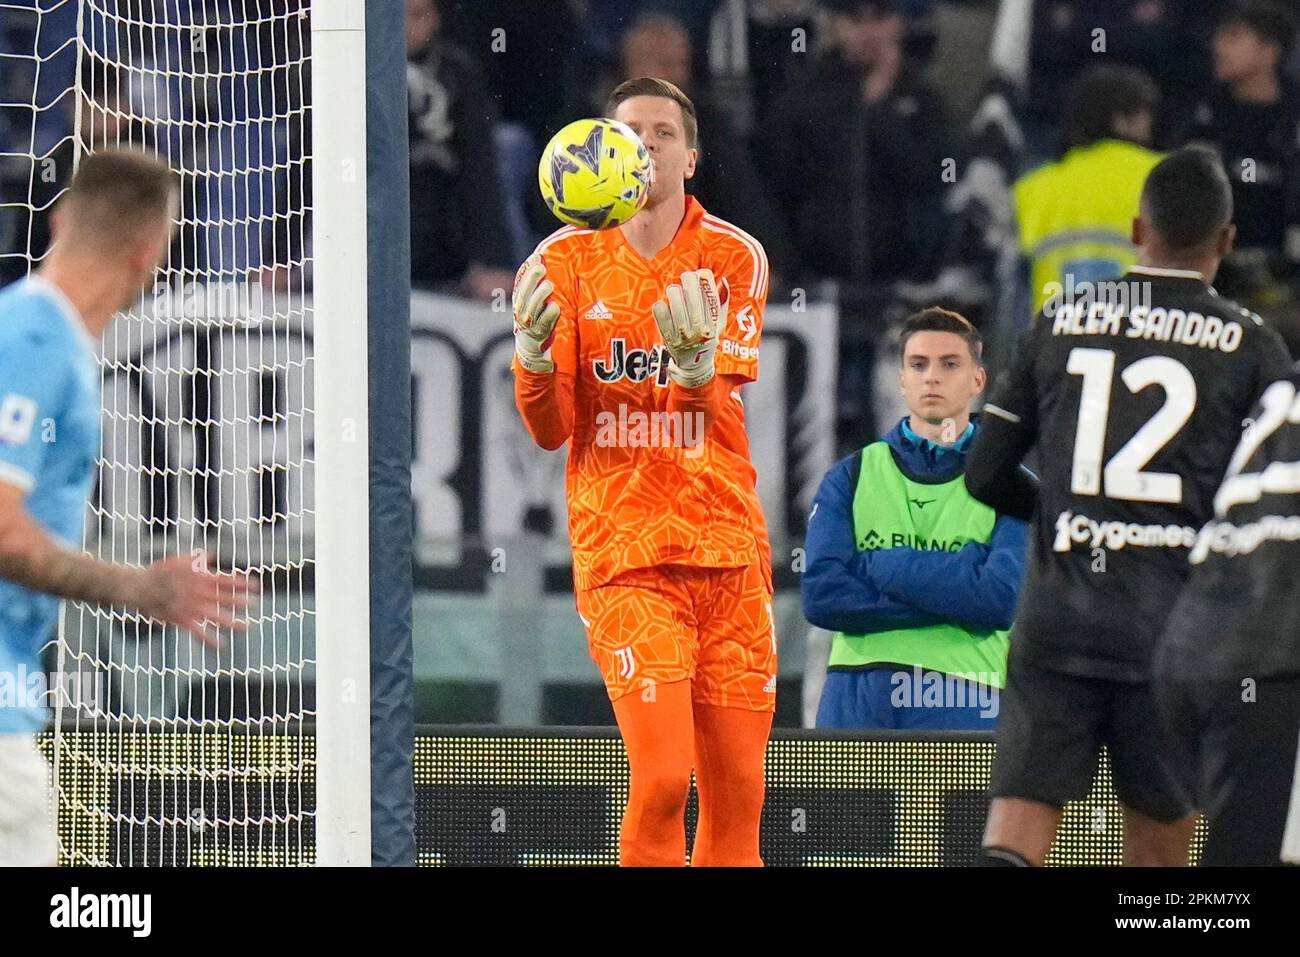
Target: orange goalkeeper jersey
657,474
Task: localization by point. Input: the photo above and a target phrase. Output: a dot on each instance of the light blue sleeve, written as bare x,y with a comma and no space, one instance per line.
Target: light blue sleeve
34,370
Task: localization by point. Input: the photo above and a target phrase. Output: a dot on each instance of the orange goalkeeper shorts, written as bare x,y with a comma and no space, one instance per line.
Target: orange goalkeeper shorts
713,626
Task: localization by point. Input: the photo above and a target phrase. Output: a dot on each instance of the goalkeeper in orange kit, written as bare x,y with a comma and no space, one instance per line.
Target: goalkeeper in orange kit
631,345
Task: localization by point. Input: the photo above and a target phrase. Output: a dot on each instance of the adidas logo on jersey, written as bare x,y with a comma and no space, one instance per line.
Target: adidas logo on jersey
598,311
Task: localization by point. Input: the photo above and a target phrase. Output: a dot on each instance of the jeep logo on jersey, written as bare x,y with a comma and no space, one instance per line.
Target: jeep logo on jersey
636,365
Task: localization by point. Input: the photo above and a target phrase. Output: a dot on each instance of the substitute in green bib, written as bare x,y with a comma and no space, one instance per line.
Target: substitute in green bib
917,579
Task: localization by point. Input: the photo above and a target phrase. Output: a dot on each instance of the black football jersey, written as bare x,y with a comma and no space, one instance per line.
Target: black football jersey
1135,395
1239,616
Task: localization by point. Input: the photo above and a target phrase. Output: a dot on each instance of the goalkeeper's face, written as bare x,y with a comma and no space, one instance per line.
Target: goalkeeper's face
658,121
940,376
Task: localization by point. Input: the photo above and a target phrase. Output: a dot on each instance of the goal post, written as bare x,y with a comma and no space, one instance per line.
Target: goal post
256,408
392,518
340,307
364,692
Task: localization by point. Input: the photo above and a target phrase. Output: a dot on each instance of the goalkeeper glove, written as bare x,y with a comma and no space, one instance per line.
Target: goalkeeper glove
535,318
691,317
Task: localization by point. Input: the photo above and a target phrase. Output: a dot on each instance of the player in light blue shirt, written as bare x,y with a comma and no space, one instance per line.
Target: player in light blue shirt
111,230
49,441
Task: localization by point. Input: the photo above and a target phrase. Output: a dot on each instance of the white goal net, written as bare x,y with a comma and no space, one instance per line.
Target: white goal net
167,752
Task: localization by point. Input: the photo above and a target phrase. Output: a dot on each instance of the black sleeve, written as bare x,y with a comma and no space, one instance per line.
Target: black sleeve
1008,430
994,474
1275,361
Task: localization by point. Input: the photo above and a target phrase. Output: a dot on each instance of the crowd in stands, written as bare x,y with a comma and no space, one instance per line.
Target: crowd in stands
854,138
835,132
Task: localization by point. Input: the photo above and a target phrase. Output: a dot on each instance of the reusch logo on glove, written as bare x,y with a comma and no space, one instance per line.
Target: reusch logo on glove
522,271
635,365
717,304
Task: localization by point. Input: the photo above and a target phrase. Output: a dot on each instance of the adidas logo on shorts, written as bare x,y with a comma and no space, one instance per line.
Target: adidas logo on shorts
770,687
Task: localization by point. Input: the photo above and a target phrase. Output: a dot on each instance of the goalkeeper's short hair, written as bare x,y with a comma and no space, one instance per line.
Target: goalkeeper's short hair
653,86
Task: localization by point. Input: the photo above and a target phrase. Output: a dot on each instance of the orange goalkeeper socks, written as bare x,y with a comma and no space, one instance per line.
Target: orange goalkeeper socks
657,732
730,744
665,734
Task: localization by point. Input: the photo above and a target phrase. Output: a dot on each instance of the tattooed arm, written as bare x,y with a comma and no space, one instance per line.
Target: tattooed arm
177,590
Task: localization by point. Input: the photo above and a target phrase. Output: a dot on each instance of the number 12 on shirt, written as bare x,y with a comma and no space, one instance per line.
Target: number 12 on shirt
1122,475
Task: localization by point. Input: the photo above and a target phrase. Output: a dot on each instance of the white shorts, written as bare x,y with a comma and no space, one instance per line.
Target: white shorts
27,837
